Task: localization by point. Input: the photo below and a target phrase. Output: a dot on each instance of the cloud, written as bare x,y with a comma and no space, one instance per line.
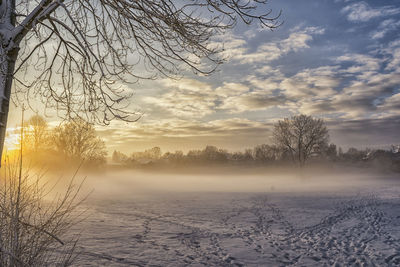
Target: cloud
391,104
370,86
173,134
362,12
353,88
392,52
318,83
356,88
267,85
239,98
252,101
236,49
309,85
358,100
261,94
320,107
231,89
365,132
186,98
385,27
360,63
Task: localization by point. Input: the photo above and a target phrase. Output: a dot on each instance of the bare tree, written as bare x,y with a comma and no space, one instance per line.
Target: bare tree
266,153
301,136
77,140
119,157
36,133
75,54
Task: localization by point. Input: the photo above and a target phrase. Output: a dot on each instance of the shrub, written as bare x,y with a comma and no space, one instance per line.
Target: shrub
32,226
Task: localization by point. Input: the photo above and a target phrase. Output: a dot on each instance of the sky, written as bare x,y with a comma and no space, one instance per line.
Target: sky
338,60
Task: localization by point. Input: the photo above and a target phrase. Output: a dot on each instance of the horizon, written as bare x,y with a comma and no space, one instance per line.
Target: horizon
12,143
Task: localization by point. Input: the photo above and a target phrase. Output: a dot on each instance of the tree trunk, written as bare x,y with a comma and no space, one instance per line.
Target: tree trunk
7,67
8,56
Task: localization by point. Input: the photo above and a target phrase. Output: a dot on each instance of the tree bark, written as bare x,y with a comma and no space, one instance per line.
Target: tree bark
8,56
6,79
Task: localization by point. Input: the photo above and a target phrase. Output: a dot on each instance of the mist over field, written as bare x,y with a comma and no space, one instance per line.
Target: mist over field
217,179
225,217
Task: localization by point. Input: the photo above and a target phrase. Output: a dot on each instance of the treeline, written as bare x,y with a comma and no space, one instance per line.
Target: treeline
71,143
296,141
261,155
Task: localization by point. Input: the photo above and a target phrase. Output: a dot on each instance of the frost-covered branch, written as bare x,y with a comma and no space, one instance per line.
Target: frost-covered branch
42,10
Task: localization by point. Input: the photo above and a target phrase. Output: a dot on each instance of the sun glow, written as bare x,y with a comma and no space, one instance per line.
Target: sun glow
13,137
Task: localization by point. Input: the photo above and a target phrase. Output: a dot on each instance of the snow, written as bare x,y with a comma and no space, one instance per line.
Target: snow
241,220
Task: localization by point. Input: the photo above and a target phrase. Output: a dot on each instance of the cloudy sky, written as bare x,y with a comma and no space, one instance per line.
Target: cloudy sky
334,59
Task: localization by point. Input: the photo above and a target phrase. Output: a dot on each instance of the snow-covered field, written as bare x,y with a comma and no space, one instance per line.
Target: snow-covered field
137,219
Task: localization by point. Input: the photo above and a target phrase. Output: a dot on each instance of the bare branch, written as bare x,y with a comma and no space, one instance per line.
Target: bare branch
76,55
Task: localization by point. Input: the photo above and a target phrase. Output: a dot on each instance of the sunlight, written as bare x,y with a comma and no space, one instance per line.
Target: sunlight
12,138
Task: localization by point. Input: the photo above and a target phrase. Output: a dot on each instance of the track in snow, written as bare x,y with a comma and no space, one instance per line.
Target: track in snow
243,230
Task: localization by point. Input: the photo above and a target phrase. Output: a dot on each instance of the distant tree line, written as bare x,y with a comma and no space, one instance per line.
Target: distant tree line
296,140
261,155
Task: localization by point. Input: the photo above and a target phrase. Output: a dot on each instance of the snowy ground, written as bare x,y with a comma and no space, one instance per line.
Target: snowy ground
183,220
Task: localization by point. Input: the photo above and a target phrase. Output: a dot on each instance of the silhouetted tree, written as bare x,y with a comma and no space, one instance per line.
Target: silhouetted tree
194,155
177,157
353,154
331,152
248,155
236,156
76,51
266,153
340,152
118,157
301,136
213,154
77,140
36,134
152,154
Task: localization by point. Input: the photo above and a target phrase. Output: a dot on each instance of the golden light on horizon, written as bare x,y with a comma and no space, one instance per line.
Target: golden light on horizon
13,137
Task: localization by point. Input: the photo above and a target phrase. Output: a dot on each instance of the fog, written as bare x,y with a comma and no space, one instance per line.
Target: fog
238,217
126,183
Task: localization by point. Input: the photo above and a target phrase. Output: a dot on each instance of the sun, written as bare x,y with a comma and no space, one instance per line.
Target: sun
12,139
